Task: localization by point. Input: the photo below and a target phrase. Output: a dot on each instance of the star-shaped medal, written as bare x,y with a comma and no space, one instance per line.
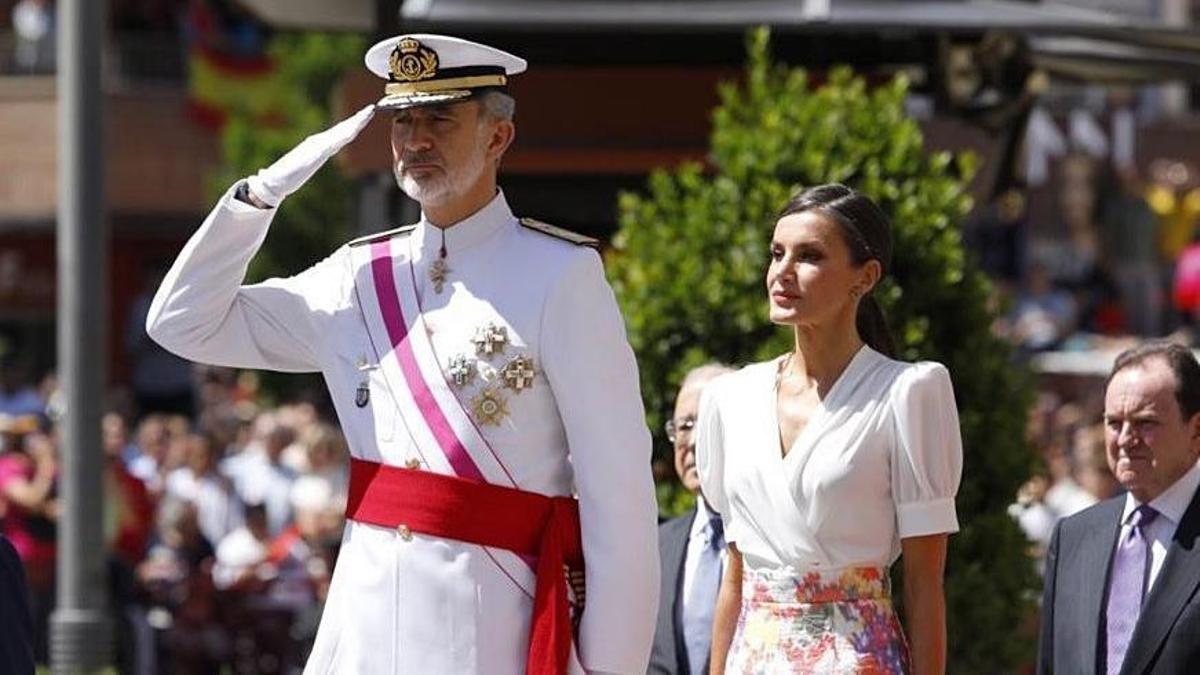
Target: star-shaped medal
489,407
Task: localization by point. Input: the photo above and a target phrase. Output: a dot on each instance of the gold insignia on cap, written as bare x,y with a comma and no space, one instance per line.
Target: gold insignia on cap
489,407
518,373
412,61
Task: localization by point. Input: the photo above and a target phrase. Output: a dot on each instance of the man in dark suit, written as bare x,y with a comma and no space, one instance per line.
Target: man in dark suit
16,623
691,550
1122,576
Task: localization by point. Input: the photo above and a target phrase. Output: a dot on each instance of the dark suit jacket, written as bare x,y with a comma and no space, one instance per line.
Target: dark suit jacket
1167,636
16,623
669,656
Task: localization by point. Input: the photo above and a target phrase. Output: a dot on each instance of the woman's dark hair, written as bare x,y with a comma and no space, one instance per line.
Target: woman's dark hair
868,233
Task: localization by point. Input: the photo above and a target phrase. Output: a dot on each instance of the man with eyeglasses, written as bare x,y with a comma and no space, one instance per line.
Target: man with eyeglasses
691,548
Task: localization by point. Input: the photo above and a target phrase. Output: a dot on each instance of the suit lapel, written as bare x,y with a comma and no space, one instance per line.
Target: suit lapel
1094,558
1176,583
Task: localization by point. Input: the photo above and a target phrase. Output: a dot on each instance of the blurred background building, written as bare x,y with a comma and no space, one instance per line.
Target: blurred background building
1049,94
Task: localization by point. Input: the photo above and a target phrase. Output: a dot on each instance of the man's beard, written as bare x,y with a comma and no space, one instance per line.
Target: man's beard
439,187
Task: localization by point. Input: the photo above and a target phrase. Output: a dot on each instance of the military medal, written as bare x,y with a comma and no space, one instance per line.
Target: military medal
362,395
490,339
518,373
439,269
461,370
489,407
437,274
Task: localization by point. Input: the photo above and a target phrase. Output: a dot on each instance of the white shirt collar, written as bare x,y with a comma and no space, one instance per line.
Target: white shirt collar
703,519
1173,502
466,233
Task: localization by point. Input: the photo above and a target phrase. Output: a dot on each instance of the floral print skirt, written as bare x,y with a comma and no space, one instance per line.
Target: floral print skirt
835,622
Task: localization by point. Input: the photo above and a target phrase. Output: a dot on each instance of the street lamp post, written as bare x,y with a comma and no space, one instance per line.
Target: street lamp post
80,638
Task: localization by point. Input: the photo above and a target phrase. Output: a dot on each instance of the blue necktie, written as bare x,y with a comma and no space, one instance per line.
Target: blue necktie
702,597
1127,589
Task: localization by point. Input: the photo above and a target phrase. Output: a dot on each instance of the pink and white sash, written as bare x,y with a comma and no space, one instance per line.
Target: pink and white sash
440,427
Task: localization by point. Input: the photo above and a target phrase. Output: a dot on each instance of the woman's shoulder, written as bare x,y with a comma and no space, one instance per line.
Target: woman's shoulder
917,378
749,377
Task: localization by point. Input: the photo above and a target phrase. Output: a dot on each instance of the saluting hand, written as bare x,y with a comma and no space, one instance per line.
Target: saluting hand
288,173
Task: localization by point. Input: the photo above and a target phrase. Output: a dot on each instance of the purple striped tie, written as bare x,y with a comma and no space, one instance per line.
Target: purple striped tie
1127,588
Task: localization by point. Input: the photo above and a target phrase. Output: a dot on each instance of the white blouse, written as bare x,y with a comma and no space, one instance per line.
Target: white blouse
879,460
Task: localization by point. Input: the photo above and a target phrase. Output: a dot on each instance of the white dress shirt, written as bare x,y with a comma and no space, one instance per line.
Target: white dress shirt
1171,505
701,525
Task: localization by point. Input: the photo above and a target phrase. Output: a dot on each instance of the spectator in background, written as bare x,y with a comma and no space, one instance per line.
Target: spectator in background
161,381
1042,315
28,479
130,509
1129,235
179,600
218,509
33,27
17,396
260,477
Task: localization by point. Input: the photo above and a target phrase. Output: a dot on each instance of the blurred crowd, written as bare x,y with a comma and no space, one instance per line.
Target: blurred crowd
222,522
1105,257
1112,253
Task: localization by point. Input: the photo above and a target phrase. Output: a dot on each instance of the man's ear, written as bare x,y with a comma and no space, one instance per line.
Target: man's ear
502,136
1194,433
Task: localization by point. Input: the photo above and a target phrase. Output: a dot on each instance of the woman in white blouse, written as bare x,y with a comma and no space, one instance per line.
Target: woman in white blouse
828,463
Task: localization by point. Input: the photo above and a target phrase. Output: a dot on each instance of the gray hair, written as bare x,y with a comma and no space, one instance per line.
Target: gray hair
702,374
497,105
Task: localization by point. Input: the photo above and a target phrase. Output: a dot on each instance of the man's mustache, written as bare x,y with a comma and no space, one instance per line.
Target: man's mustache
411,158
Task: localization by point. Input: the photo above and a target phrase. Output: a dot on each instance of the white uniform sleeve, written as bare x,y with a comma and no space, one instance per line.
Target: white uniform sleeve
710,454
591,369
202,312
927,462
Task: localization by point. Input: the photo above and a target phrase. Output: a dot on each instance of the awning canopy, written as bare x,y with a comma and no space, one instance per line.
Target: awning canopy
1068,41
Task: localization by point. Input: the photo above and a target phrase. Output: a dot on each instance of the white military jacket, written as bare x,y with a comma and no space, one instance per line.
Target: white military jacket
571,422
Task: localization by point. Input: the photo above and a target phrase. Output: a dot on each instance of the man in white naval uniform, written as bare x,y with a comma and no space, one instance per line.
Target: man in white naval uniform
472,348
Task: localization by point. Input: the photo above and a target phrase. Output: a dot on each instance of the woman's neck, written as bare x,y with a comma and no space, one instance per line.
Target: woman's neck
820,356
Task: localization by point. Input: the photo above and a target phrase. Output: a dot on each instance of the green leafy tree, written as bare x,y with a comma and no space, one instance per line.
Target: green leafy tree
688,265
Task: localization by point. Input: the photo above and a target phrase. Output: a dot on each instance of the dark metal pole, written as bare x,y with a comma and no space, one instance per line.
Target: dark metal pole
80,638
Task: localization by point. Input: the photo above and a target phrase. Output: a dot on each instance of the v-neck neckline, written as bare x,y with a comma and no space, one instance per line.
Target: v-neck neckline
821,410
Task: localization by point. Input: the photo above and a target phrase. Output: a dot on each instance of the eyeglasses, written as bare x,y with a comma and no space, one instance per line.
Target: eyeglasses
674,428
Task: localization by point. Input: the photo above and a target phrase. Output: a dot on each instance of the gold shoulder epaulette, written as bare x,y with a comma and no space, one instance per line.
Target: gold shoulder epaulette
560,233
380,236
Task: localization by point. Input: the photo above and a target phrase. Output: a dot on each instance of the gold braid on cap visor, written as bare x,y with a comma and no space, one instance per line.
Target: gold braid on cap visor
439,86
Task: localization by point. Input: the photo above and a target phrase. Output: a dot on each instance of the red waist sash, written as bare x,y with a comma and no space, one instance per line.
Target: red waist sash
523,522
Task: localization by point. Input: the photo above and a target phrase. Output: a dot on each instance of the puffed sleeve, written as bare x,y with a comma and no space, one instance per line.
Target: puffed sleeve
710,452
927,457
